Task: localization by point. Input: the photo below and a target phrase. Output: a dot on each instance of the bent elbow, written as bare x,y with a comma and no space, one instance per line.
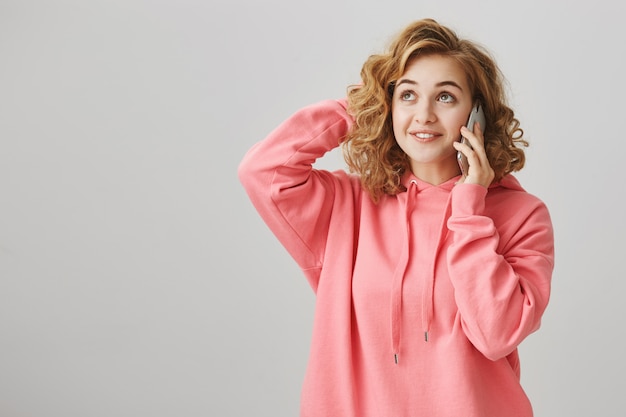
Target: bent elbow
495,352
249,174
497,343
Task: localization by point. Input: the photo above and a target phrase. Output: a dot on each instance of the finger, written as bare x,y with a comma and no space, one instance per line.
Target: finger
475,139
476,154
463,147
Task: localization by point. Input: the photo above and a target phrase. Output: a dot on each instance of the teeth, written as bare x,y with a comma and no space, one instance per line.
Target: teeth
424,135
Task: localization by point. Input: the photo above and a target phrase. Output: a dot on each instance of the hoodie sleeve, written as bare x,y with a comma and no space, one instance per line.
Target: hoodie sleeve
501,276
295,200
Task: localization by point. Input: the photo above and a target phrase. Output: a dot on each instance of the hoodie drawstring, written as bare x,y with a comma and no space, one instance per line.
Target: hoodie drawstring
400,271
398,277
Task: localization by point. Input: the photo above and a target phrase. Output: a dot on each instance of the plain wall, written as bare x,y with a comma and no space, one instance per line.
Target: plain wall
136,279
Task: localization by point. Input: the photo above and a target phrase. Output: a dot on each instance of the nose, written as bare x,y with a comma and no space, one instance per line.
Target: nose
424,112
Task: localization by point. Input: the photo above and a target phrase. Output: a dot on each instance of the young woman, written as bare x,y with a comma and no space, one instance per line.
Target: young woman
426,280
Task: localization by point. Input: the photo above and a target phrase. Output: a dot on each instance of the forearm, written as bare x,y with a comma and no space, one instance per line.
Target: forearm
501,289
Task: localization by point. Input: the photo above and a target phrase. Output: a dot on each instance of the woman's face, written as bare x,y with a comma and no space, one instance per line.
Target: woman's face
431,101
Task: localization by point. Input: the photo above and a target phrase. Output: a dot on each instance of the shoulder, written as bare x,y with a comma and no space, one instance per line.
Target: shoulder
508,198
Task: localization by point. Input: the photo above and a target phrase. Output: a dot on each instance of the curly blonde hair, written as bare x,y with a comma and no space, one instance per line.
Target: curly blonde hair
370,148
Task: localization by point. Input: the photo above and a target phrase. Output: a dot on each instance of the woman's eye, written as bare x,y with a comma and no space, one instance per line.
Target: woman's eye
446,98
407,96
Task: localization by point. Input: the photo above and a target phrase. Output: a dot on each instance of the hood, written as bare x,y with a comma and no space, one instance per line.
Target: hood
510,182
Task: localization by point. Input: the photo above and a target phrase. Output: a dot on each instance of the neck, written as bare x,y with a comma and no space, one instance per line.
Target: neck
435,174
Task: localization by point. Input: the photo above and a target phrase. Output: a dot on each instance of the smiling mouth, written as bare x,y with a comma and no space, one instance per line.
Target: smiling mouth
424,135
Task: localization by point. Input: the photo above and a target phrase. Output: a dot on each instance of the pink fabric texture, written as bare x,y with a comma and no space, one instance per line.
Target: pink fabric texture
422,299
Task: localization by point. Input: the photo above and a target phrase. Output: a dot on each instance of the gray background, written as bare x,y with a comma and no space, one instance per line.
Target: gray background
136,279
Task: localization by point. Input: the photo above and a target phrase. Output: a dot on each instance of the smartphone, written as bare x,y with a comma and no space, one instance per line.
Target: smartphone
477,115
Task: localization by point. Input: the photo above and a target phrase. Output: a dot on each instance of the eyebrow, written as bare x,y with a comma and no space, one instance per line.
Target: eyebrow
439,84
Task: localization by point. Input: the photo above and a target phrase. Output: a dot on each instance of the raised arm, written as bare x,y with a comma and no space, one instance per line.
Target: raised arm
501,277
295,200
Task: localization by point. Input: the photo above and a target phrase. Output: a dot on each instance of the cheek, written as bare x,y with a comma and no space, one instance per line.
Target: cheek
395,121
396,125
461,117
455,123
398,121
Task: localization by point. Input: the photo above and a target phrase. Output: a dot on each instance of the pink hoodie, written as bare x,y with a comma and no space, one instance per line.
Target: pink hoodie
421,299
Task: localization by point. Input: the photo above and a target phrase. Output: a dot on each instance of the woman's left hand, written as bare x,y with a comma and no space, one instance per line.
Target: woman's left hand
480,171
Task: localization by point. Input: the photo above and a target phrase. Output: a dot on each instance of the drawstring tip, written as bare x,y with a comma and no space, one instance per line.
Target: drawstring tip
426,336
395,358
